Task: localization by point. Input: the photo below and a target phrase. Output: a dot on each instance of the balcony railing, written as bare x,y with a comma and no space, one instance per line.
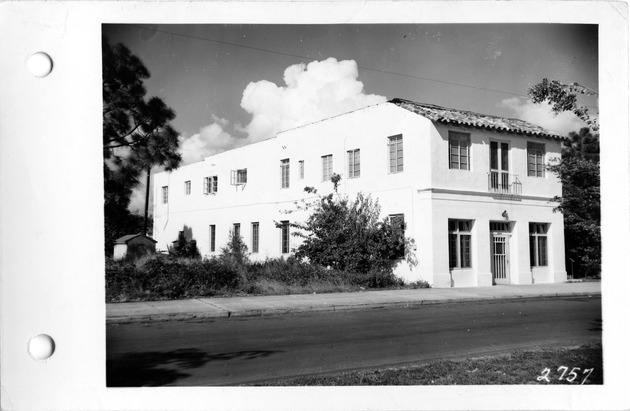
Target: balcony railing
504,184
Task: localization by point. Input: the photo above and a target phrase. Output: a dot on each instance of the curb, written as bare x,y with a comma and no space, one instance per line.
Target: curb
349,307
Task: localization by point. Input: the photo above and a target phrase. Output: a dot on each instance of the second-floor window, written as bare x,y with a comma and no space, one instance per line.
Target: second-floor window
284,173
239,176
459,150
187,185
395,144
165,195
354,163
210,185
327,165
535,160
301,165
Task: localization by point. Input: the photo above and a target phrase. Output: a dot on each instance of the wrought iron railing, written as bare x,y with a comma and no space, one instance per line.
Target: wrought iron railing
503,183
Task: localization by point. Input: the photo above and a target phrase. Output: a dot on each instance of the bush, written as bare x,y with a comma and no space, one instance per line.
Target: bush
161,277
349,235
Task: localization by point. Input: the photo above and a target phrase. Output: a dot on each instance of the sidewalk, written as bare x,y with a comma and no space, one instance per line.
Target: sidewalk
118,313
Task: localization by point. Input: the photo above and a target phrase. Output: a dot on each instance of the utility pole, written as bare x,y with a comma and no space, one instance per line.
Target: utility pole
146,203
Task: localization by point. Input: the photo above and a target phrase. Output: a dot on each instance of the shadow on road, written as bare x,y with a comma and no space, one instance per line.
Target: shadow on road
151,369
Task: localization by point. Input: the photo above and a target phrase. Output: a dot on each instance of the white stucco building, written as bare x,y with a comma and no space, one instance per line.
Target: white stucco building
472,189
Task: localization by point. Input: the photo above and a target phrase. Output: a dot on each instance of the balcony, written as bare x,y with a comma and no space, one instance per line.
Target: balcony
504,185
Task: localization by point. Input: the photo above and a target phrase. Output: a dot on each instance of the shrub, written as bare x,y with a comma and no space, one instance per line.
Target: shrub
348,235
165,277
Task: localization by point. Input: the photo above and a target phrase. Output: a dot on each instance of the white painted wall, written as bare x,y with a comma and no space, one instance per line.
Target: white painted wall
426,192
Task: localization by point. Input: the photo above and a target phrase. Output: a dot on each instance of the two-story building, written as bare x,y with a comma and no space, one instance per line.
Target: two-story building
472,190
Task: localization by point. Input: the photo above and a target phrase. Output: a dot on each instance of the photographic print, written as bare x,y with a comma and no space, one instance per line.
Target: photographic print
351,204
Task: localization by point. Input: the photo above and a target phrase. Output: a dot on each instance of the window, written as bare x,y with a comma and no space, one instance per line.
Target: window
538,244
284,228
459,243
459,150
301,165
238,177
535,160
213,232
187,185
165,195
210,185
284,173
255,236
327,163
395,144
354,163
398,224
236,233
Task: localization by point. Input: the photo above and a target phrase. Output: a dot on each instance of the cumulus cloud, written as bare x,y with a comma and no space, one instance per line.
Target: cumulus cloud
541,115
311,92
211,139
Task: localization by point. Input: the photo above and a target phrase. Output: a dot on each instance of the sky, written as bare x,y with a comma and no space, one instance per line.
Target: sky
232,85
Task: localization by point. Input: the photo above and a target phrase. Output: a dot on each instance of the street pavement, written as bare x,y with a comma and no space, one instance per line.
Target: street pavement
217,307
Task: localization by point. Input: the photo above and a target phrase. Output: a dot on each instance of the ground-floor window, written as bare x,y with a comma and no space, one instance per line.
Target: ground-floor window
237,230
255,234
398,224
459,243
213,236
284,228
538,244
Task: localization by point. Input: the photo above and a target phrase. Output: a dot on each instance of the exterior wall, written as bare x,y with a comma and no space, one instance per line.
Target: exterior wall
427,192
136,246
120,250
263,200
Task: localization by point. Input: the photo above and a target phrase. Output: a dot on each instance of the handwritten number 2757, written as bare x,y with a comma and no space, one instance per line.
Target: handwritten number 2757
571,376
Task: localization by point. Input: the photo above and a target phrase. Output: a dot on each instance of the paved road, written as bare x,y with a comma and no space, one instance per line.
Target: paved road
232,351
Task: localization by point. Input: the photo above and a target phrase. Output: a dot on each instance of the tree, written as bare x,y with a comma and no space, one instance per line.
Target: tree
349,235
137,134
563,97
236,250
578,170
580,202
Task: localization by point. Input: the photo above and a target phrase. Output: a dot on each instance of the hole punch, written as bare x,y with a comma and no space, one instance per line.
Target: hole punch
39,64
41,347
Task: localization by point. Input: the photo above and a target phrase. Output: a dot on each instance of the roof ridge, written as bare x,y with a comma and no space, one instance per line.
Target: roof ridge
435,112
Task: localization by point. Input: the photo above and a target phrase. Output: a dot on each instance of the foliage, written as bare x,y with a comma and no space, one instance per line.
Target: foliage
137,135
349,235
563,97
184,247
578,170
583,145
160,277
235,250
580,201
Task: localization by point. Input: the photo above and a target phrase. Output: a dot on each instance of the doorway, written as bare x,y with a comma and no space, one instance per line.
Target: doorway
500,255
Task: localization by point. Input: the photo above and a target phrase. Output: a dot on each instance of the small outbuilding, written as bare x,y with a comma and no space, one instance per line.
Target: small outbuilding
134,246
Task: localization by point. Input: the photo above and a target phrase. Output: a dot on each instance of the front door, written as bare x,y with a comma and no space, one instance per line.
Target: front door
500,259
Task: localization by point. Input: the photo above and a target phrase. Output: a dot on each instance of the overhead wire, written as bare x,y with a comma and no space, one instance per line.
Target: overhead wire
451,83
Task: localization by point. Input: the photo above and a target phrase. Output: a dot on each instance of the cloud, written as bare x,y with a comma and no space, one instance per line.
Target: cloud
541,115
311,92
211,139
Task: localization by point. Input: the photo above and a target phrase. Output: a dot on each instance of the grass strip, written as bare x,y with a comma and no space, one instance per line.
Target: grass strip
572,366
